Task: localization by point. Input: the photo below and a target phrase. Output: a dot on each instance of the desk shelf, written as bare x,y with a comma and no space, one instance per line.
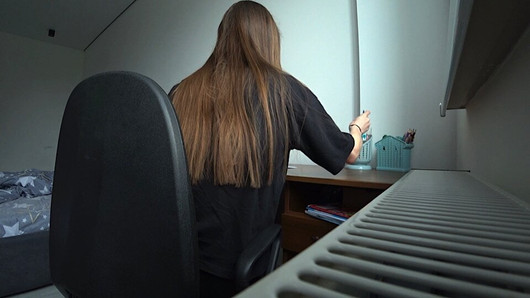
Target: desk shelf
311,184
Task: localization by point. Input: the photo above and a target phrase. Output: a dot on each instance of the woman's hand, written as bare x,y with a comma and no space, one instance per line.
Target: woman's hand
362,123
358,126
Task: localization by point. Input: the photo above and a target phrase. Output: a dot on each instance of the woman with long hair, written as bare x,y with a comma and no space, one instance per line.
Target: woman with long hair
240,115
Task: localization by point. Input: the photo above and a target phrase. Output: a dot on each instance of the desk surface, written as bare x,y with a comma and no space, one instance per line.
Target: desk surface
347,177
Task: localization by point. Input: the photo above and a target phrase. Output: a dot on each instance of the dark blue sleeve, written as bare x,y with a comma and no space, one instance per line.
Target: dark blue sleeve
315,133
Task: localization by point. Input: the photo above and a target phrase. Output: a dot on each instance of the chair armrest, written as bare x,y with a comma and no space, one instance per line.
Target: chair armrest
268,241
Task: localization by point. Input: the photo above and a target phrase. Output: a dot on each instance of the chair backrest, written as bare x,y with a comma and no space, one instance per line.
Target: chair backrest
122,215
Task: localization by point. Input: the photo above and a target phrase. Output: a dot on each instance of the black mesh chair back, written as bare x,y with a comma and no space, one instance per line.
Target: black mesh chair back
122,216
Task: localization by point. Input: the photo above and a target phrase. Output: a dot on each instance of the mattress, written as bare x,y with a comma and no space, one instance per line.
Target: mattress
25,201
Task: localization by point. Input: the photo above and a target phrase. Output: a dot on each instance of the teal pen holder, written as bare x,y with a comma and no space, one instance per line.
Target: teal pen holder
393,154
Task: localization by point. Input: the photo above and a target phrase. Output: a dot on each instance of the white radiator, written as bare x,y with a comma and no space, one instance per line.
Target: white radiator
432,234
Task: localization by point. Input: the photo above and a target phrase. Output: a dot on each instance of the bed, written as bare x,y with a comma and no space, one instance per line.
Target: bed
25,200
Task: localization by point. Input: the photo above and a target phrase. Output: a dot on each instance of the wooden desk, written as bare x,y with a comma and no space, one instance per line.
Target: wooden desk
311,184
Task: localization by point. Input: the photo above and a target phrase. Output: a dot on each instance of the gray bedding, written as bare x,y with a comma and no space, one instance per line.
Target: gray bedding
25,200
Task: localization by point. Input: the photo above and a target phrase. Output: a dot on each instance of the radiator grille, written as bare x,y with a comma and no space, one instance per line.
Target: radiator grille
432,234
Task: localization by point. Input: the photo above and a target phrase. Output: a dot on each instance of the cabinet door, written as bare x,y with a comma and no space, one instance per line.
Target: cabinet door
299,230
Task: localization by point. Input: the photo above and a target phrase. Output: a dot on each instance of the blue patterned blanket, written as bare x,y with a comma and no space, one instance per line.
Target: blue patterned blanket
25,200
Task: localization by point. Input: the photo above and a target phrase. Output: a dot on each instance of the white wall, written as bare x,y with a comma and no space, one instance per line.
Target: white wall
167,40
493,130
403,65
403,73
36,79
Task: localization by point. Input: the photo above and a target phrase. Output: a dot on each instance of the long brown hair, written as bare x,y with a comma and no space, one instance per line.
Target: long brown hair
228,135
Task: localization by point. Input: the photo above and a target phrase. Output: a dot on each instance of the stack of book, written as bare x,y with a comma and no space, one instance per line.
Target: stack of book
332,214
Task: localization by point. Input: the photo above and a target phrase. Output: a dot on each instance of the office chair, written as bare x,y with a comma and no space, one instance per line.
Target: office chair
261,256
122,215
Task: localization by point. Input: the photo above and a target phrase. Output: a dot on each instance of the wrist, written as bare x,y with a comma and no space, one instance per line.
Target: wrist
355,125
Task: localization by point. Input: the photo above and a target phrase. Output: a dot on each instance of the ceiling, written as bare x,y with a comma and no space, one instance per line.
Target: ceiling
77,23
